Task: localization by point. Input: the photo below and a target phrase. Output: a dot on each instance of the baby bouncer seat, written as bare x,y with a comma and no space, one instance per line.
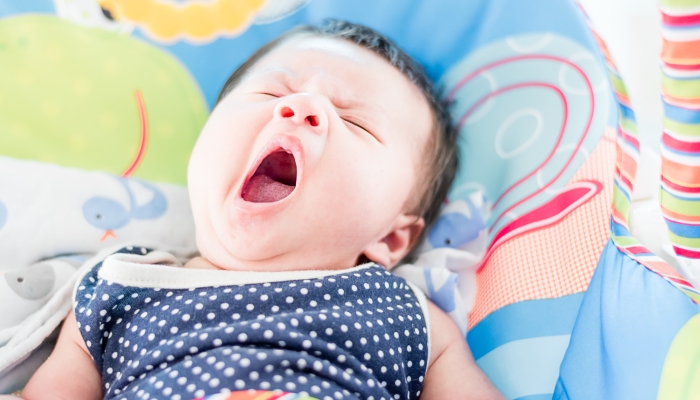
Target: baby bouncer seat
532,254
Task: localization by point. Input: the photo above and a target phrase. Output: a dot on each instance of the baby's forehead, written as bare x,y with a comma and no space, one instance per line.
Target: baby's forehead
298,47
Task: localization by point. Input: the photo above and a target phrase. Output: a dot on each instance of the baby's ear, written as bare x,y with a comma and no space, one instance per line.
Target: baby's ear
390,249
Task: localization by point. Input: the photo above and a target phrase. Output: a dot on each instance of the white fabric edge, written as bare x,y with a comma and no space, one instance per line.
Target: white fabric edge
423,301
156,270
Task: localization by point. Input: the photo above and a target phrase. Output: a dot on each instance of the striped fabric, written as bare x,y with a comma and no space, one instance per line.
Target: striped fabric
680,149
628,155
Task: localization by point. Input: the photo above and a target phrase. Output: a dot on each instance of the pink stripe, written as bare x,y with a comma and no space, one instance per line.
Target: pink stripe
679,145
680,20
144,135
686,253
684,67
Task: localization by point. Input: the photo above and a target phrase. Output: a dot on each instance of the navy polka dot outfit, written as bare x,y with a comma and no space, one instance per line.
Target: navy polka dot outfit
351,334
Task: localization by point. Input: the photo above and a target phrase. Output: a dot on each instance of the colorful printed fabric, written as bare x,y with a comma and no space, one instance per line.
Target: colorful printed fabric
625,171
680,150
632,332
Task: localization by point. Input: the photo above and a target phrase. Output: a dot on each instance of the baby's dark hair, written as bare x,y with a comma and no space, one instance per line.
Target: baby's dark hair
441,159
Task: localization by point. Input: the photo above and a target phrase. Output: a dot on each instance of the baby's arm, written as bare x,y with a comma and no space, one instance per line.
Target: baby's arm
453,374
69,373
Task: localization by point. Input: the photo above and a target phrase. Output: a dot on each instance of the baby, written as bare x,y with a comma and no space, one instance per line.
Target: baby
323,161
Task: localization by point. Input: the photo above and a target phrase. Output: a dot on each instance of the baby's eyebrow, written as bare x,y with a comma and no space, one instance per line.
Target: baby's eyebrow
339,99
285,74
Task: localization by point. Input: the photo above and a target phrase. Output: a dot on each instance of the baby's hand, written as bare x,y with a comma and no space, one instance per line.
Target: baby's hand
452,372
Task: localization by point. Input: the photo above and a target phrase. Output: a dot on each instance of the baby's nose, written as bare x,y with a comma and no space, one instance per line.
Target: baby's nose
312,120
303,110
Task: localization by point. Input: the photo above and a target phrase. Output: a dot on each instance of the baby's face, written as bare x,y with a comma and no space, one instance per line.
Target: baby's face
311,161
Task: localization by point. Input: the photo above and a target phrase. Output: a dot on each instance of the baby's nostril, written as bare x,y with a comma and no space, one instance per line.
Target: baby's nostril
313,120
287,112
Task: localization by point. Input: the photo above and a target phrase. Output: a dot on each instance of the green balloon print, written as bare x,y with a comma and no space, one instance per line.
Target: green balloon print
98,100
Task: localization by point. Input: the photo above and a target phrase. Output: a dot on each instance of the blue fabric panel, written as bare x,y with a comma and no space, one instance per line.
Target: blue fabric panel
627,112
26,6
536,397
626,323
527,319
681,114
619,230
689,231
464,26
526,367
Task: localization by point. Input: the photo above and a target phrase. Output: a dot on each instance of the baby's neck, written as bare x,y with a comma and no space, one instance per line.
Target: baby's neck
203,263
200,263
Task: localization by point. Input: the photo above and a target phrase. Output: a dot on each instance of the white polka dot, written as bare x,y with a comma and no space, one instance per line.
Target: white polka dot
229,371
224,306
250,307
304,291
244,362
242,337
240,384
290,299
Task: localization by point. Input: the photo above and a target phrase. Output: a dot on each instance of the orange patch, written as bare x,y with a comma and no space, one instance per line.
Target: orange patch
682,53
558,260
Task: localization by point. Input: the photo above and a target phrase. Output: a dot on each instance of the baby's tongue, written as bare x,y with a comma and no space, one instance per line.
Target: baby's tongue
263,189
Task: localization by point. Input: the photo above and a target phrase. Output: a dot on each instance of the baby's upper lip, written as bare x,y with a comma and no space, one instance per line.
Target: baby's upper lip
284,142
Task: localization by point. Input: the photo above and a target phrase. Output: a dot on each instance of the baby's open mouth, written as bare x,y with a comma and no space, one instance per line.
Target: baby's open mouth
275,179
